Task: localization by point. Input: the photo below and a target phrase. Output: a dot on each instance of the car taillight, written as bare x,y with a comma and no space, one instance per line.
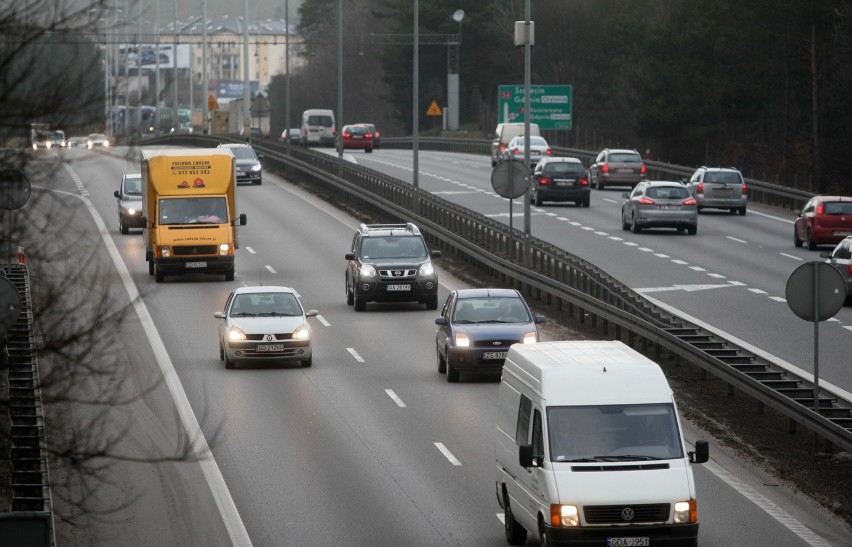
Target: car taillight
819,209
700,189
516,151
646,201
604,168
377,134
544,180
368,136
745,189
334,131
548,152
583,181
690,201
347,134
849,270
644,169
502,147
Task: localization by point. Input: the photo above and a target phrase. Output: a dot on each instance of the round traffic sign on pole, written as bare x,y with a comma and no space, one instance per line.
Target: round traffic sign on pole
10,305
510,178
14,189
816,296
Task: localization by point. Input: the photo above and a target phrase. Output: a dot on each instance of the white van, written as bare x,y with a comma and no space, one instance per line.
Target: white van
318,128
589,448
504,133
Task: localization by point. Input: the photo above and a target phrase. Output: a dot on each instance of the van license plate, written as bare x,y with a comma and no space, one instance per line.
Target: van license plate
196,264
628,542
490,355
399,287
269,347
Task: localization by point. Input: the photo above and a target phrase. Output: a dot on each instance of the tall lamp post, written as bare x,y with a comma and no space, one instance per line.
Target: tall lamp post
453,76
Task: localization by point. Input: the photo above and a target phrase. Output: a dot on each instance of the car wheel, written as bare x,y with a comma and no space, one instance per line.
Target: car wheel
158,275
229,275
544,539
452,372
635,226
796,241
259,182
587,201
221,352
599,185
229,364
536,198
692,230
515,533
698,209
624,224
308,362
432,302
811,242
369,151
359,302
122,227
349,298
742,211
442,363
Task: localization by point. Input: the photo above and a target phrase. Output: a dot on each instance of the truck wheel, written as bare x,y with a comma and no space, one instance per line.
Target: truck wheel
515,533
229,275
158,275
150,267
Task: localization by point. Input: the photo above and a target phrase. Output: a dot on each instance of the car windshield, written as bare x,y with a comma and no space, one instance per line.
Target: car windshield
625,158
206,210
613,433
266,305
667,192
564,167
243,152
133,185
838,208
393,247
491,310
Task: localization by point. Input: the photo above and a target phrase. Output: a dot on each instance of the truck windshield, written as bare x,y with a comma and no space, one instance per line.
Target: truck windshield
613,433
196,210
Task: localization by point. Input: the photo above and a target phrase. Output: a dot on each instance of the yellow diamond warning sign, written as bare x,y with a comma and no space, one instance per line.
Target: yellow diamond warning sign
434,109
212,104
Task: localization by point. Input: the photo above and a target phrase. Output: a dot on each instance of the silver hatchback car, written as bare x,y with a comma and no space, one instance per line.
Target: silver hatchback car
719,188
659,204
841,258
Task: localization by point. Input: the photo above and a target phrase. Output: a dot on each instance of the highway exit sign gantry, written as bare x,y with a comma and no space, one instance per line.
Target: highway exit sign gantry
550,105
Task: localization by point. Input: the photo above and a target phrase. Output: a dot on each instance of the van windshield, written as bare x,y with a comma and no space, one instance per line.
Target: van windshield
324,121
613,433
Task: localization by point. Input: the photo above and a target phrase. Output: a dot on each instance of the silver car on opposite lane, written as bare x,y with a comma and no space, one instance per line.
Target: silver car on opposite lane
841,258
659,204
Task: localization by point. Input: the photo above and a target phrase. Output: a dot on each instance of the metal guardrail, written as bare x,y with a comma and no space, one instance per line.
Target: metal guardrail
30,520
564,280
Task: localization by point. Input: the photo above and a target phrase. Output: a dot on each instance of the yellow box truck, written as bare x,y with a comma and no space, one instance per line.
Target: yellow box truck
189,211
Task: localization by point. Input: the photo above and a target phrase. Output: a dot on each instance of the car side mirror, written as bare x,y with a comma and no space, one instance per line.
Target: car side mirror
825,254
797,212
539,319
311,313
526,459
260,156
219,314
625,196
349,256
701,454
441,321
435,254
117,194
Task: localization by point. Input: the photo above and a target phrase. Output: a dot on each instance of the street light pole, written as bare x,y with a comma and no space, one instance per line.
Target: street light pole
340,80
175,122
453,63
287,71
205,76
527,116
246,74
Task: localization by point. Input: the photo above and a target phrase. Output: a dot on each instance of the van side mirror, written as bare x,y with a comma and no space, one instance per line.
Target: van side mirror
701,454
116,194
526,458
242,219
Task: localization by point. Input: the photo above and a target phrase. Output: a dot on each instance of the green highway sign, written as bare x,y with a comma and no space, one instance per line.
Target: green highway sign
550,105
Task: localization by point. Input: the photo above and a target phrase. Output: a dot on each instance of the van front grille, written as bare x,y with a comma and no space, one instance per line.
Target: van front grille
625,514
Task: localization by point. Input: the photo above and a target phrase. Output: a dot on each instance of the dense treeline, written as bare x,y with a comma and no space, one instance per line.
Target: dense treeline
761,85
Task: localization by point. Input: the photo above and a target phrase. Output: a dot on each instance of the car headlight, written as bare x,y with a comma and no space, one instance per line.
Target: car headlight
685,511
367,271
236,334
462,340
302,332
256,167
564,515
529,338
130,210
427,269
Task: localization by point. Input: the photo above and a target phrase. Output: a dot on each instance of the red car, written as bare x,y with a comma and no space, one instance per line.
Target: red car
824,220
358,137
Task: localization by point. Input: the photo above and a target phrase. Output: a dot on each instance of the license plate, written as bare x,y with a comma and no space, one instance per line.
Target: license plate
564,183
269,347
489,355
628,542
665,206
357,137
196,264
240,173
624,170
398,288
844,234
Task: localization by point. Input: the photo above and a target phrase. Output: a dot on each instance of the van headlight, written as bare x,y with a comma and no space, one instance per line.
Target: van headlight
686,512
564,515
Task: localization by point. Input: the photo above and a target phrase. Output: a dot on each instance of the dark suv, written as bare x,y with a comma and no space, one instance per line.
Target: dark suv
390,263
617,167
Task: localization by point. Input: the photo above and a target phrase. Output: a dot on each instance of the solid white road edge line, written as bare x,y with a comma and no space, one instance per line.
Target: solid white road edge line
216,482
